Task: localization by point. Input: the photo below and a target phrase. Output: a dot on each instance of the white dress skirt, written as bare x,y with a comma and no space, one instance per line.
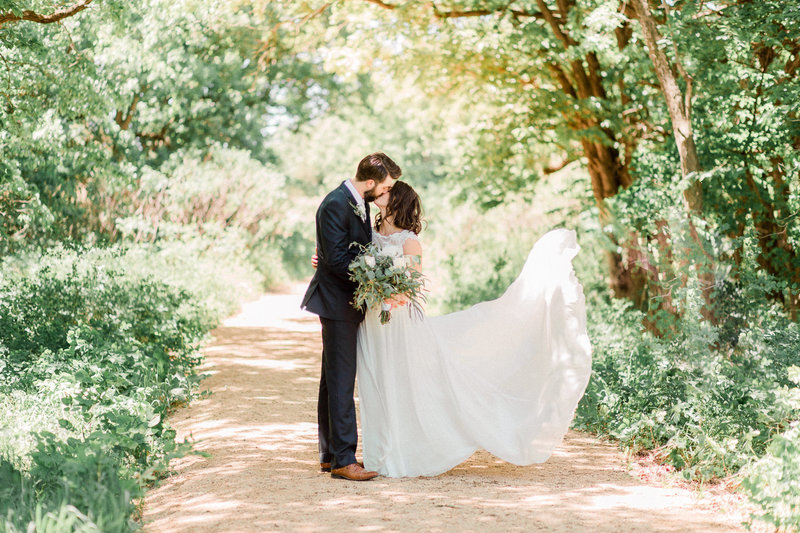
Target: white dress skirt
504,375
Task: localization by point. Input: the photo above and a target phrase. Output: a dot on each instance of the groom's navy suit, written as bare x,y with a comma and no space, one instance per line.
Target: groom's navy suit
329,295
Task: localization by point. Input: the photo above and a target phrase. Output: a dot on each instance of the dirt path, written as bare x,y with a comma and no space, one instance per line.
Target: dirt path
259,426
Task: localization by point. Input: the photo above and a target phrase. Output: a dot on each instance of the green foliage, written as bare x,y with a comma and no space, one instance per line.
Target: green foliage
706,400
471,288
774,481
74,486
52,318
100,110
147,125
94,351
529,100
707,413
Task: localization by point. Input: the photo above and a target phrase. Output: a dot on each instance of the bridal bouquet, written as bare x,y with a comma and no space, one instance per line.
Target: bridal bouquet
384,274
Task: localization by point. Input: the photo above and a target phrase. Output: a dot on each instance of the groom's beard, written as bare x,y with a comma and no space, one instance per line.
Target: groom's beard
369,196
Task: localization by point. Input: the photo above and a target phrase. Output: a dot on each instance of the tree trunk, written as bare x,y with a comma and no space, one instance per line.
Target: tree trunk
608,176
777,255
679,106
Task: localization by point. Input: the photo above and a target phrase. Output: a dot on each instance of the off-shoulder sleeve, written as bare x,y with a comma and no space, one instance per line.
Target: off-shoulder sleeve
406,235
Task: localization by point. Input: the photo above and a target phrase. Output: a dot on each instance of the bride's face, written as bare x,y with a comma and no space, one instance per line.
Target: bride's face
383,200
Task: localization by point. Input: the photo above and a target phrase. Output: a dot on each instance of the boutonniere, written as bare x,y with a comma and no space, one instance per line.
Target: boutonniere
358,209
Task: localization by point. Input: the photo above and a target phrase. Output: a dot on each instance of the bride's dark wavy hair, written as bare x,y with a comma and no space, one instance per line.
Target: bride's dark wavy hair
405,206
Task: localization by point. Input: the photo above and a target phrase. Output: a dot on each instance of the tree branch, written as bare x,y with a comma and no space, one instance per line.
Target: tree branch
562,78
793,63
555,168
517,13
687,103
8,84
594,75
384,5
459,14
45,19
563,7
158,136
124,121
555,24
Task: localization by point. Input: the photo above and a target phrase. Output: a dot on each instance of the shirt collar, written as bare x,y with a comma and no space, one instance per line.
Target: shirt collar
354,192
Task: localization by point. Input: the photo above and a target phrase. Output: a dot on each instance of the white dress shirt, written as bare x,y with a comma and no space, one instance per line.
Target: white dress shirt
357,196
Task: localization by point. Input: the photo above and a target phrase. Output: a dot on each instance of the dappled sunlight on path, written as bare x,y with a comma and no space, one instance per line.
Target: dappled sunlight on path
259,427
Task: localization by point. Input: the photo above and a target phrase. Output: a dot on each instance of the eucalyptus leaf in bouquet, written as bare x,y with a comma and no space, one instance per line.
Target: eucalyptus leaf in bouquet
384,274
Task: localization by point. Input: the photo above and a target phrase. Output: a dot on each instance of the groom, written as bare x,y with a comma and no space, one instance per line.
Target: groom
342,219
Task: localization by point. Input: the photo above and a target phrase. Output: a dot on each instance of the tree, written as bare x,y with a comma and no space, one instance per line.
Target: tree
91,97
15,15
680,108
553,81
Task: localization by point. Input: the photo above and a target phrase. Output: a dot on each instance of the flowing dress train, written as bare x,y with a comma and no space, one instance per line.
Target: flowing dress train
504,375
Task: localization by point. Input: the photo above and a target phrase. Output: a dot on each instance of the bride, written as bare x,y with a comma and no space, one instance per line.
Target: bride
504,375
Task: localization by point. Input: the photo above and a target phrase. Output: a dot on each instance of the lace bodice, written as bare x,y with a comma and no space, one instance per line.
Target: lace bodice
393,244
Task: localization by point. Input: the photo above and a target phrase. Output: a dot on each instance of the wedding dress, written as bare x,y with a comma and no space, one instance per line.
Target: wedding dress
504,375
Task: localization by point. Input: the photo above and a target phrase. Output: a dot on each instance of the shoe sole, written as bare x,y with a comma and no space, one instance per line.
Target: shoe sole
337,476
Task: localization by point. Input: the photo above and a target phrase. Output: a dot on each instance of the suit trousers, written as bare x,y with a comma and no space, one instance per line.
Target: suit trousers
336,410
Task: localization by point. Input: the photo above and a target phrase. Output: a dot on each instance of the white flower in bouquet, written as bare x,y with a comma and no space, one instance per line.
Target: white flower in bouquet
385,275
392,251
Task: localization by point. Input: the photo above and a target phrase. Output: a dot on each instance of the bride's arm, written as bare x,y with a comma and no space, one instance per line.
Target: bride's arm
413,248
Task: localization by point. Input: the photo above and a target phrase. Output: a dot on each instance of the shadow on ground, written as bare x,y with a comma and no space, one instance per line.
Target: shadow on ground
259,425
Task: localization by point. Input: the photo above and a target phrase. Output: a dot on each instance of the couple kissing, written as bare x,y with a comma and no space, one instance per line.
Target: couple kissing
504,375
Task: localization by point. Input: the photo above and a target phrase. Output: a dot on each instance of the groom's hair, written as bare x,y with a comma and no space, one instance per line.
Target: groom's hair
378,167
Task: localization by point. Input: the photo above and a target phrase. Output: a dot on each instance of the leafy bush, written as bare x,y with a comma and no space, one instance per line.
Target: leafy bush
708,400
473,285
774,481
95,349
706,410
228,198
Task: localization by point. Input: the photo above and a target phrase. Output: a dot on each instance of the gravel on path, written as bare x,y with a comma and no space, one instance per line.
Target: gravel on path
259,427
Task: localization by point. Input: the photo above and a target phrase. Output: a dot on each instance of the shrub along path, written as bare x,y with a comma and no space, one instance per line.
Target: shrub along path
259,427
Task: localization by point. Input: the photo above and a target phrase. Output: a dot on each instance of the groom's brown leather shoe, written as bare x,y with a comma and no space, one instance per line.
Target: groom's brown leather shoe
326,467
353,472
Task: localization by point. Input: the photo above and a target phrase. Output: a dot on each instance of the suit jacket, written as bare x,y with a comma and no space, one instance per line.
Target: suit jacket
330,292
